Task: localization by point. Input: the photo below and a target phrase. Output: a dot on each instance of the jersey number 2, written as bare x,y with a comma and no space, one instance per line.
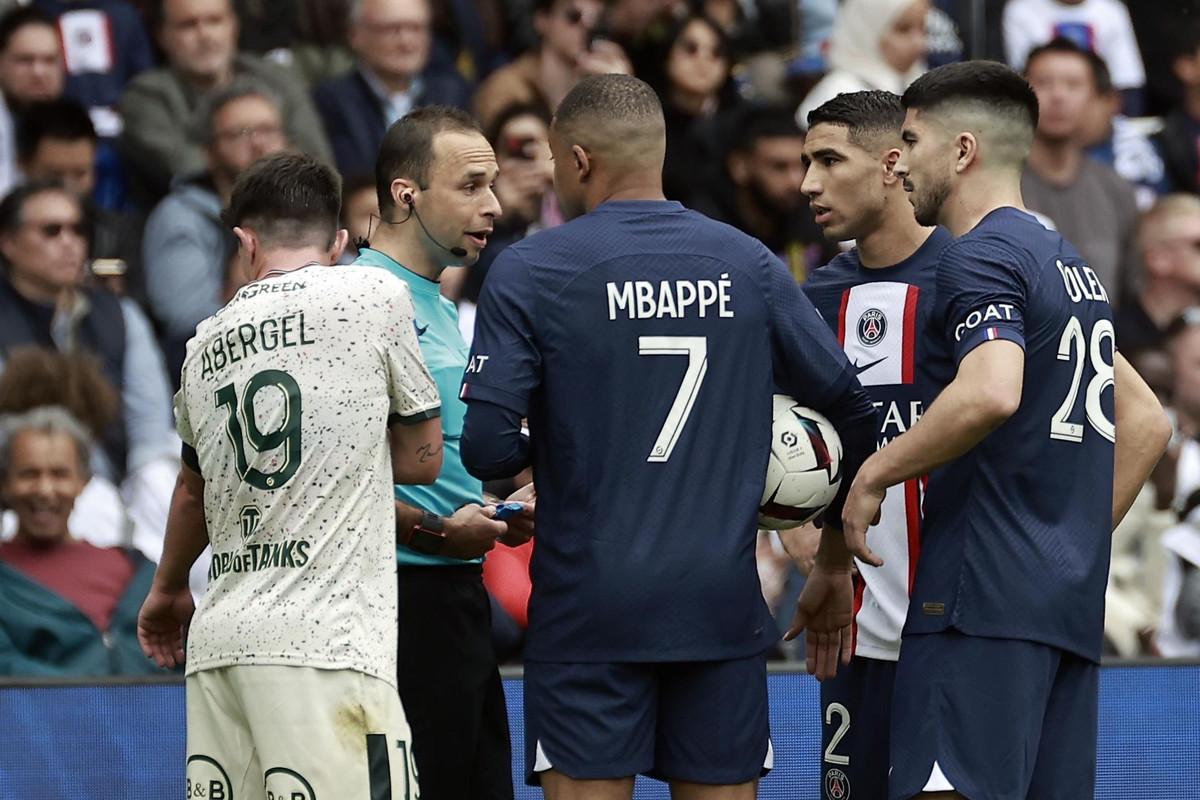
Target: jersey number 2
1074,341
287,436
696,350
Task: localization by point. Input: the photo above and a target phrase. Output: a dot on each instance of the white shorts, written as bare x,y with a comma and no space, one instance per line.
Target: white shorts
258,732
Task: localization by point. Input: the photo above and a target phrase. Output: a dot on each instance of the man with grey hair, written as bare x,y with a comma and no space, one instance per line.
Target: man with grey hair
647,626
391,40
67,607
186,248
199,39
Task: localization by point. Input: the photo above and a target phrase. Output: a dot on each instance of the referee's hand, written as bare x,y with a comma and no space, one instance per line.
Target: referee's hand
471,532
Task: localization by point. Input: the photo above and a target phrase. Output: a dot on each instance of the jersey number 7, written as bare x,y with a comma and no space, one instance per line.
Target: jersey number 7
696,350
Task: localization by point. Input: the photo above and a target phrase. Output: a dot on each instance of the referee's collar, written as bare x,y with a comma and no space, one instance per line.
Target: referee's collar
418,283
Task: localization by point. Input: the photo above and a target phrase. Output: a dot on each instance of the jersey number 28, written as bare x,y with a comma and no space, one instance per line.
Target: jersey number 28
1074,345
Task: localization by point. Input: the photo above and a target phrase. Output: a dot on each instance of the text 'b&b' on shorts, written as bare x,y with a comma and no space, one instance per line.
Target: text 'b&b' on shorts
264,732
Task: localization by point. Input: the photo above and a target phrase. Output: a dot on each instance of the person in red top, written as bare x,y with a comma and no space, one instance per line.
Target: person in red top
67,607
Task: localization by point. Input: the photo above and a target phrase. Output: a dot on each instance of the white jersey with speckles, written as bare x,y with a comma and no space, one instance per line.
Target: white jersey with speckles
286,396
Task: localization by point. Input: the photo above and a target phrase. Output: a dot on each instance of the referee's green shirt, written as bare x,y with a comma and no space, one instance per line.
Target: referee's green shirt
445,354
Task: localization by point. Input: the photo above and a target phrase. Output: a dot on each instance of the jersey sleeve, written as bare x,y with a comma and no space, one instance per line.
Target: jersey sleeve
412,394
505,364
183,425
809,364
982,295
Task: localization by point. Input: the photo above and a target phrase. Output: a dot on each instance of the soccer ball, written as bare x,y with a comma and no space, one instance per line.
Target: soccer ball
804,469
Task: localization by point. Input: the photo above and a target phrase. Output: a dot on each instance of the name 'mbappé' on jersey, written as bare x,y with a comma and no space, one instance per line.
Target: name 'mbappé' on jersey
286,396
1017,531
643,342
880,316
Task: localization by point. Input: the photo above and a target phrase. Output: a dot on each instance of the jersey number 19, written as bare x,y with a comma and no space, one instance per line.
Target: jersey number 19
242,428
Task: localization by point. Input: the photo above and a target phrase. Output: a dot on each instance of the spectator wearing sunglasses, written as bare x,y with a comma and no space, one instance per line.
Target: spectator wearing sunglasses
568,49
43,243
699,103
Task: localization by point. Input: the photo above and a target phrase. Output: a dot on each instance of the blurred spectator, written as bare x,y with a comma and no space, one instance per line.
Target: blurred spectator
57,142
1088,203
817,20
267,27
360,211
877,44
1168,245
67,607
31,71
758,192
1178,633
943,44
699,104
199,38
104,46
186,247
750,27
42,303
506,578
392,41
320,48
1116,141
525,189
565,53
1179,139
1102,26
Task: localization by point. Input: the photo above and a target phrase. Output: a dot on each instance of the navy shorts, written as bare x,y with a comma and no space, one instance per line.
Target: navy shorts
1002,719
856,709
700,722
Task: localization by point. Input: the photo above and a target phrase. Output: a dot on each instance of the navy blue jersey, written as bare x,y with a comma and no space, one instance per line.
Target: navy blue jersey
880,317
1017,531
643,342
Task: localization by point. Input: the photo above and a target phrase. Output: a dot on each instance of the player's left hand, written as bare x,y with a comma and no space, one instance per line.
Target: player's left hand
520,527
825,611
163,623
861,512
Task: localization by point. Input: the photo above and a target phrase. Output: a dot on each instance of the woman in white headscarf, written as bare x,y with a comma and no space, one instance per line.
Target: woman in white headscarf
876,44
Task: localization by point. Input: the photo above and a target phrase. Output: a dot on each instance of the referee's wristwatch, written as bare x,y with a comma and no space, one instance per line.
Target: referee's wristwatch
427,536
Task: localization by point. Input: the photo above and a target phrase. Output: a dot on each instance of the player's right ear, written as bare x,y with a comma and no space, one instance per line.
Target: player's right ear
890,159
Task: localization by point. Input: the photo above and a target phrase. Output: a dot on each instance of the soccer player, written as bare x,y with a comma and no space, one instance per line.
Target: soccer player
433,179
996,686
290,395
643,342
877,298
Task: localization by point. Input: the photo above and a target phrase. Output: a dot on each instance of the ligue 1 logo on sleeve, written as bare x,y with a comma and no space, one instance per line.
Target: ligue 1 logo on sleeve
872,326
837,785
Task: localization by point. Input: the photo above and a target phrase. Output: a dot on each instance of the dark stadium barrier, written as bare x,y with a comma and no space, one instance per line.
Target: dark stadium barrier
124,740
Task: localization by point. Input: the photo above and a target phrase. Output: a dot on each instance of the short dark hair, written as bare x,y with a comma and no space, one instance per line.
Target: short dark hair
1101,77
998,89
64,120
12,207
865,115
407,148
621,98
758,122
204,127
290,199
20,17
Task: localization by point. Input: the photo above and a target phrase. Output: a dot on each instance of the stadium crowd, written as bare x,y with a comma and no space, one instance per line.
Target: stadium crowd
124,125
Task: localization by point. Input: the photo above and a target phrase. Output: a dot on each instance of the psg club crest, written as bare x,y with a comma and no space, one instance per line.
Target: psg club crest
837,785
872,326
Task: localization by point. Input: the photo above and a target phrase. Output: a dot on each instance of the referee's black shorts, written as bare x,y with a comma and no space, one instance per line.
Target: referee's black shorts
450,685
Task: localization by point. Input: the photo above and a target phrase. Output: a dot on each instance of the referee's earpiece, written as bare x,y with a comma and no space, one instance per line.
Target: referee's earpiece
406,198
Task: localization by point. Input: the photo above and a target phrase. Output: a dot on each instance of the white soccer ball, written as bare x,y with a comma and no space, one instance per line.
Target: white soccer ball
804,469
